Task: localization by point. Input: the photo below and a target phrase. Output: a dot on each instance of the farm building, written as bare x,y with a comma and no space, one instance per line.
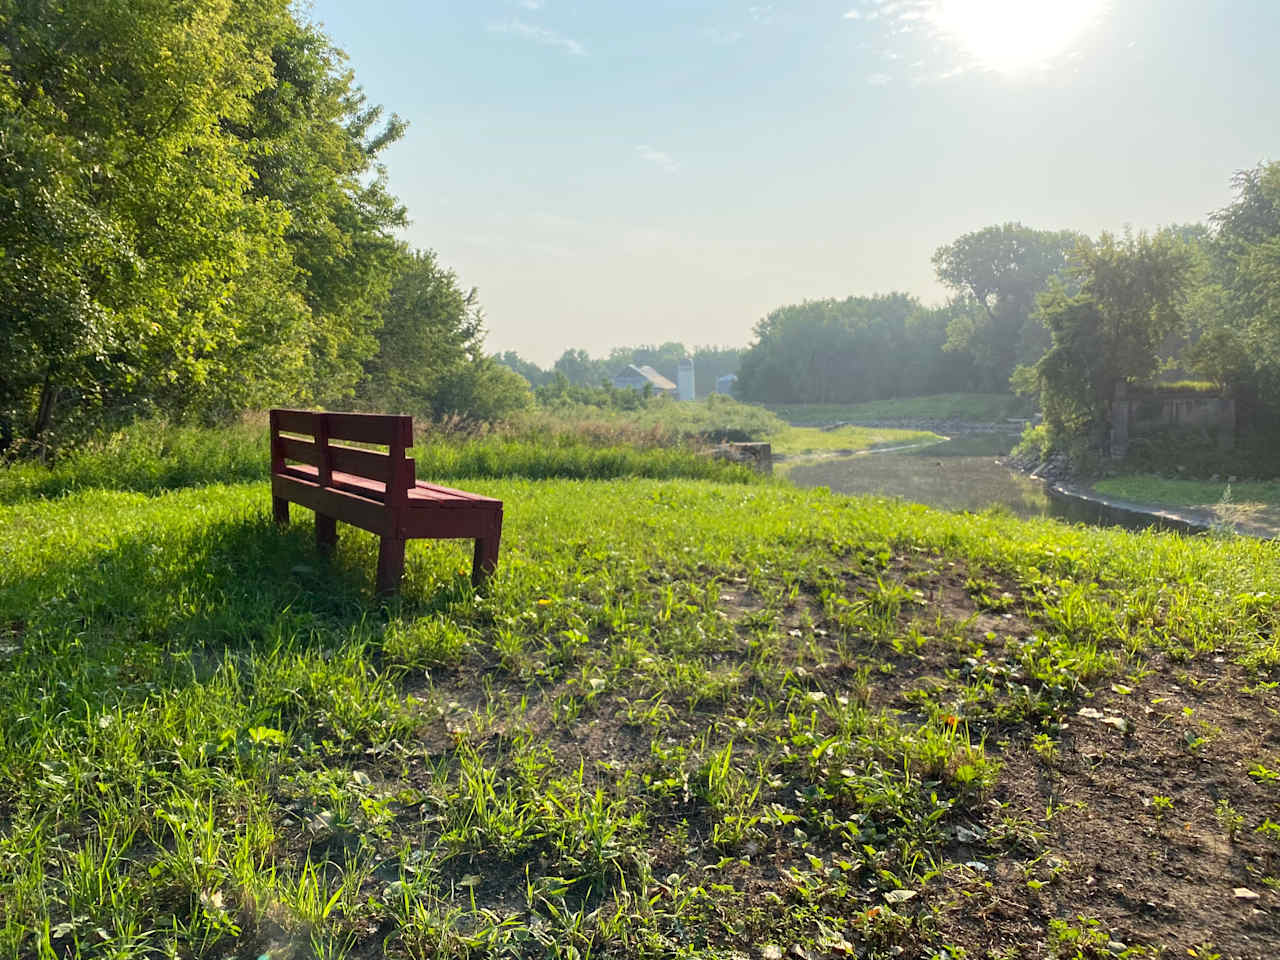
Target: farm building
636,378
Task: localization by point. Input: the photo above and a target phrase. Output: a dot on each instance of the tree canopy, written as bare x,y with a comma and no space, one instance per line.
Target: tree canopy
849,351
192,215
1131,293
996,274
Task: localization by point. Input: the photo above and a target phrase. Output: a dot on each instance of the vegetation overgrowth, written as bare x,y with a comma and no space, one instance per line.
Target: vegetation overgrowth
685,718
152,456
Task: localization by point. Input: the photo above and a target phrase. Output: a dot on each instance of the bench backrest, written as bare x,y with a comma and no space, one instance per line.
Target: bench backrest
290,430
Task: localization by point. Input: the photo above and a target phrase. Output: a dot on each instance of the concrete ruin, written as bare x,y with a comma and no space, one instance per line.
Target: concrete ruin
1134,412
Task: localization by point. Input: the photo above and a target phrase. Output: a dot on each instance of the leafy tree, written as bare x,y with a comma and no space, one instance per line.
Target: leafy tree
314,143
1131,293
712,363
532,373
578,368
559,392
1238,307
847,351
430,356
191,217
996,274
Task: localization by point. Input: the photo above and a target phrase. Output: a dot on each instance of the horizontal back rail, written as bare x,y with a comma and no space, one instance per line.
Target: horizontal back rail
296,421
362,463
388,430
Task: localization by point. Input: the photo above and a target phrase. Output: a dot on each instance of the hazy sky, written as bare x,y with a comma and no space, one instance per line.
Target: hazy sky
612,173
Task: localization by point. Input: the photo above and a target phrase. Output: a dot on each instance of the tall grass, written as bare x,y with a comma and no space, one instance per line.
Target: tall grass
152,456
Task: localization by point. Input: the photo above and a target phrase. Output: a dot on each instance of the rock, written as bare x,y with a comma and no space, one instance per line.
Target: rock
1244,893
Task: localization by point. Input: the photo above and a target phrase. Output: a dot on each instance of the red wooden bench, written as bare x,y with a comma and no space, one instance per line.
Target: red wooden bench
374,491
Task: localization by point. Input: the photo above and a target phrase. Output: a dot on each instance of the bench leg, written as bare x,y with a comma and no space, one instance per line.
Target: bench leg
326,533
485,559
280,510
390,565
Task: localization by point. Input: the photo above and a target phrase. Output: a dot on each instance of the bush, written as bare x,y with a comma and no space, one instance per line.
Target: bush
1182,452
1035,443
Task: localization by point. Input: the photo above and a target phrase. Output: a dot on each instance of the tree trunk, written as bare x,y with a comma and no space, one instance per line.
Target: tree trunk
44,416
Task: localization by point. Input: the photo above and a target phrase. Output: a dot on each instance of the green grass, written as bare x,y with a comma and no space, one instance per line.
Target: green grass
1251,504
657,421
796,441
976,407
1144,488
686,718
150,457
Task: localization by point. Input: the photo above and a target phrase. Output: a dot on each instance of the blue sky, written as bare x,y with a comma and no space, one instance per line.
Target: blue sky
612,173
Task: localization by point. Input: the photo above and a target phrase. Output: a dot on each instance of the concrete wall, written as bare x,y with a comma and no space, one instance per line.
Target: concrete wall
1135,413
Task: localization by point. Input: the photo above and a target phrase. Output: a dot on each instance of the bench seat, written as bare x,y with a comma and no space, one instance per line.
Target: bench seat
421,494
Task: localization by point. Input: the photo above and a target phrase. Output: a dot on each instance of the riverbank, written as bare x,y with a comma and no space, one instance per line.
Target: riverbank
1251,508
970,470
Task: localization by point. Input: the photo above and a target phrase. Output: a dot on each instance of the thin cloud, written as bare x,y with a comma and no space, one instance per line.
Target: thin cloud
540,35
879,79
658,158
722,38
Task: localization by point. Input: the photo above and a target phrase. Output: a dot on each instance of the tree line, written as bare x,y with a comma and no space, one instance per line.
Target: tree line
577,368
1057,315
194,221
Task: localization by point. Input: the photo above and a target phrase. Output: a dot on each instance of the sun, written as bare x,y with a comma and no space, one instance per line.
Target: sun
1015,36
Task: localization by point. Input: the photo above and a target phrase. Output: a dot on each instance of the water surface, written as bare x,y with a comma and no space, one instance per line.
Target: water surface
963,474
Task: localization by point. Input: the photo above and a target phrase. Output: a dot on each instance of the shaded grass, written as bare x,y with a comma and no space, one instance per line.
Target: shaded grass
686,718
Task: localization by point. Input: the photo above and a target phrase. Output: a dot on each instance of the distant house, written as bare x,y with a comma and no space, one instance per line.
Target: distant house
635,378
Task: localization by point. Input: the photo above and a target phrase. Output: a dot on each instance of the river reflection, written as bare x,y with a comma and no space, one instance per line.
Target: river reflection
962,474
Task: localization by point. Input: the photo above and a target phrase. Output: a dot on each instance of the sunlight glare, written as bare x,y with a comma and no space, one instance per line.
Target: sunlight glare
1013,36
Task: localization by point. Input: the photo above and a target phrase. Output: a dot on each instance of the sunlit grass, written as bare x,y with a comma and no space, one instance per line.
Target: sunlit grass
1144,488
214,742
794,441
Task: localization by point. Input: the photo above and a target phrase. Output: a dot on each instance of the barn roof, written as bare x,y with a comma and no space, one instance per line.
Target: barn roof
648,373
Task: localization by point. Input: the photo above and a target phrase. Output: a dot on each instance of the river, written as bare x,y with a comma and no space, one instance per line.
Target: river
963,474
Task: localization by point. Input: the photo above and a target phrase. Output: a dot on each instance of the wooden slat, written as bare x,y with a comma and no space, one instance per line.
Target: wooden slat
304,451
386,429
295,421
431,524
345,507
363,463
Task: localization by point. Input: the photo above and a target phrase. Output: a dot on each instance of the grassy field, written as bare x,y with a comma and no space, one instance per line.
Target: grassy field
687,718
976,407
